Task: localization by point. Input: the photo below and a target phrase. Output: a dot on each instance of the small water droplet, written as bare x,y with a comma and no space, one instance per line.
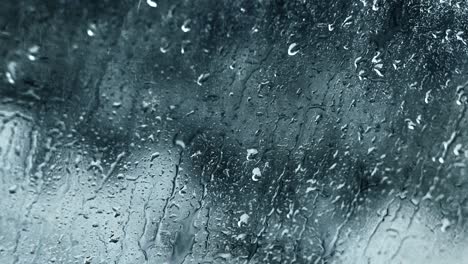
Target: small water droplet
203,77
180,143
457,149
185,27
356,61
411,124
13,189
154,155
9,78
376,59
378,72
31,57
428,97
151,3
290,49
243,219
445,224
251,153
91,30
33,49
256,174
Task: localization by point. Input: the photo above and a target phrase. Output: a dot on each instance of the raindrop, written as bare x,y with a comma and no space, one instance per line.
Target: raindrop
91,30
185,27
203,77
11,73
378,72
9,78
251,153
376,59
256,173
290,49
457,149
154,155
411,124
34,49
427,98
445,224
374,6
458,36
243,219
151,3
13,189
31,57
356,61
180,143
164,45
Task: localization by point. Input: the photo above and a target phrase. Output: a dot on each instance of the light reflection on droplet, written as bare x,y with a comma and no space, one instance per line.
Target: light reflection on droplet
151,3
9,78
31,57
34,49
185,27
11,72
91,30
256,174
290,49
203,77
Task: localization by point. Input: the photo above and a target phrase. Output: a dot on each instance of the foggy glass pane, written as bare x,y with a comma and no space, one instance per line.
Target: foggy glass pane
233,131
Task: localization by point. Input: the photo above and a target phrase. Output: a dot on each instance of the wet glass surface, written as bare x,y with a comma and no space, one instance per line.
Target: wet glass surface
216,131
